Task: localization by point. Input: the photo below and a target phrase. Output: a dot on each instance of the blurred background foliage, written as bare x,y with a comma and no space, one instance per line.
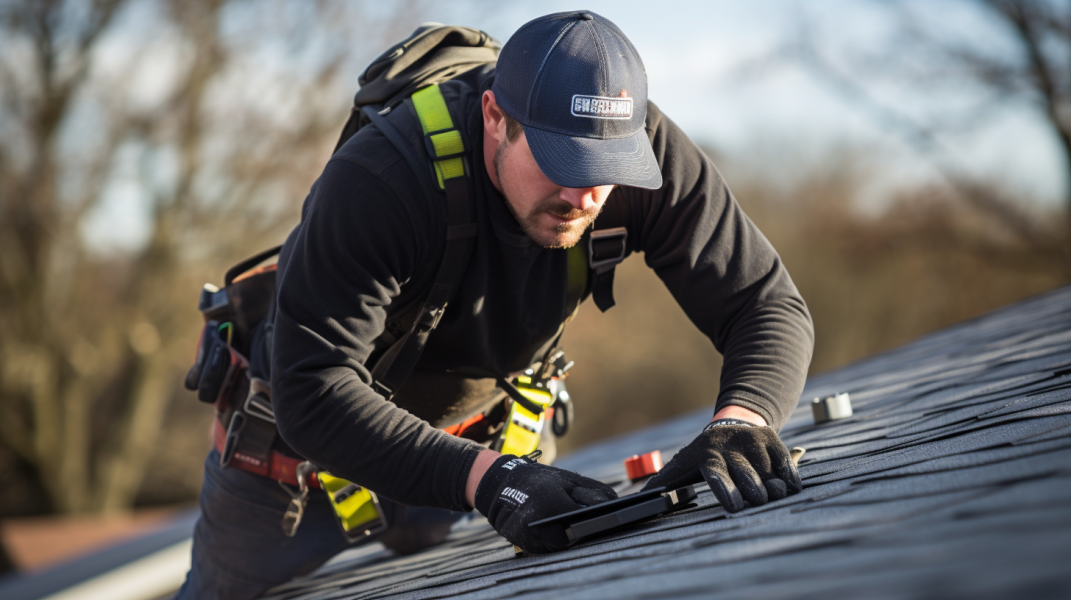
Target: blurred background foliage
202,124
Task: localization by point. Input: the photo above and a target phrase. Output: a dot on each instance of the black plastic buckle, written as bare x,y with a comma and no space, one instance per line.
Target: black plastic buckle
212,299
597,258
430,146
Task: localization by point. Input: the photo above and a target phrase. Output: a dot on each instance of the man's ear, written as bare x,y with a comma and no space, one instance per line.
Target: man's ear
494,119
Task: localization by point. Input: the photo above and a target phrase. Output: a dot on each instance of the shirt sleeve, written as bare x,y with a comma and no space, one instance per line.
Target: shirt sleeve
357,244
723,272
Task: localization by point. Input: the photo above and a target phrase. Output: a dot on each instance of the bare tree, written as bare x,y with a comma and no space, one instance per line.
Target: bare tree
217,114
1024,60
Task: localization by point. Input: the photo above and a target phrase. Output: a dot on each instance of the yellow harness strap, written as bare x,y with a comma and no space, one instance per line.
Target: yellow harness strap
444,144
442,140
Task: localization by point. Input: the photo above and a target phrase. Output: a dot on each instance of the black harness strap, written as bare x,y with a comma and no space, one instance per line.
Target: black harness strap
394,367
516,395
606,248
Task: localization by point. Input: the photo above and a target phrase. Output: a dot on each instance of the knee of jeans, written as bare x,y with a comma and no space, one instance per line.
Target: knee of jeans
239,539
417,528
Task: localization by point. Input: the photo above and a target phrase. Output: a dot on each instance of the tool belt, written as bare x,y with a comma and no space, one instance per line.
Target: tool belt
245,432
246,436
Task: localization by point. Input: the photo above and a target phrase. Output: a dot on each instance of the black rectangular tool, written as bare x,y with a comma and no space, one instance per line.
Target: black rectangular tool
622,511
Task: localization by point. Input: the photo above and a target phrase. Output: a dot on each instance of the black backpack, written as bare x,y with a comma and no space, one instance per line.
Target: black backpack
433,54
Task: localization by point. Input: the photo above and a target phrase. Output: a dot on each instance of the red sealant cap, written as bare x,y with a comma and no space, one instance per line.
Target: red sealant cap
640,466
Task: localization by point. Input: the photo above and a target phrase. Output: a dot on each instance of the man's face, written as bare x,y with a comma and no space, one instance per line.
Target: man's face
552,215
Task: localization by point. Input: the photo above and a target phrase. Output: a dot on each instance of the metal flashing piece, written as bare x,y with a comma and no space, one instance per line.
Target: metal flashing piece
831,408
622,511
669,501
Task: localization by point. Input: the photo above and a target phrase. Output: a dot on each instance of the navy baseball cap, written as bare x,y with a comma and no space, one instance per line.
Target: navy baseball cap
579,89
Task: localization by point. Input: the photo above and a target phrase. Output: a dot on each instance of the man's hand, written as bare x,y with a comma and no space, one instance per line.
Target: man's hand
517,491
739,457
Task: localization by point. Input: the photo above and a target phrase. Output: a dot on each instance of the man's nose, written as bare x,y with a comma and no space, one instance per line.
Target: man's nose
580,198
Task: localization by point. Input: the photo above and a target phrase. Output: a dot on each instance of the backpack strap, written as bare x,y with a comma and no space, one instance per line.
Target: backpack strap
445,145
606,248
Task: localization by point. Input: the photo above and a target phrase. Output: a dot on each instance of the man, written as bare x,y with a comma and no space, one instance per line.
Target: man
564,141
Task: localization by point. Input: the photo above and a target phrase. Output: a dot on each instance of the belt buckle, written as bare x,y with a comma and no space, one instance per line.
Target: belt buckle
257,404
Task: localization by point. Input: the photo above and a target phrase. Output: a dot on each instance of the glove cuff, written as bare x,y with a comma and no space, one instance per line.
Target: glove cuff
724,422
495,478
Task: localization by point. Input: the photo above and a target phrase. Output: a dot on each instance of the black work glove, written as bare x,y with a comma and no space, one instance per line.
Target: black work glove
740,461
517,491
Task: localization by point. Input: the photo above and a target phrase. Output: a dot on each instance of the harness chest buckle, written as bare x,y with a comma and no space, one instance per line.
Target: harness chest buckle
606,248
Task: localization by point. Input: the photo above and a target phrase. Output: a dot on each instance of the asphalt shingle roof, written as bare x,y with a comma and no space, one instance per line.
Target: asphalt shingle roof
952,479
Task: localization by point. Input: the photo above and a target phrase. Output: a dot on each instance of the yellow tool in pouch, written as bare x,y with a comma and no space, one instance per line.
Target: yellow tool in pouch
356,508
524,427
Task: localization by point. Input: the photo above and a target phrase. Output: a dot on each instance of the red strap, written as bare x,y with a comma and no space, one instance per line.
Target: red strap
280,467
256,271
283,468
460,429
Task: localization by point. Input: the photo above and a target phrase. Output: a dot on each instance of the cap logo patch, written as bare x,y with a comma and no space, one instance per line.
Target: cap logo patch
601,107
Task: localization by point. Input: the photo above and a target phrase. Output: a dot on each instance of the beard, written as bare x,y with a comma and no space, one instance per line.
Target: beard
562,235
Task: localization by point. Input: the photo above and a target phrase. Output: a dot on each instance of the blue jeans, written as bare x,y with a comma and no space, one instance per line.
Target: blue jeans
240,551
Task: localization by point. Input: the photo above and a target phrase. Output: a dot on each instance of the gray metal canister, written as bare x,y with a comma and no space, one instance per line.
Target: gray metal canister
831,408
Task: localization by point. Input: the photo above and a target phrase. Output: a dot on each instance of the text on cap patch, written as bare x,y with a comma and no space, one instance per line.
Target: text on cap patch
601,107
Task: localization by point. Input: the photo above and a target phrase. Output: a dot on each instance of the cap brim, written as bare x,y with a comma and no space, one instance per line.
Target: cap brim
579,162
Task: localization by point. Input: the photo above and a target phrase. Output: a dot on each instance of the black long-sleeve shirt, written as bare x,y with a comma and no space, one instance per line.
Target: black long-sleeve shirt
370,240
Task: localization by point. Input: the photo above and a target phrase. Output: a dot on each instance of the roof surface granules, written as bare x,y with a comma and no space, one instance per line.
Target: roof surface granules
951,479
